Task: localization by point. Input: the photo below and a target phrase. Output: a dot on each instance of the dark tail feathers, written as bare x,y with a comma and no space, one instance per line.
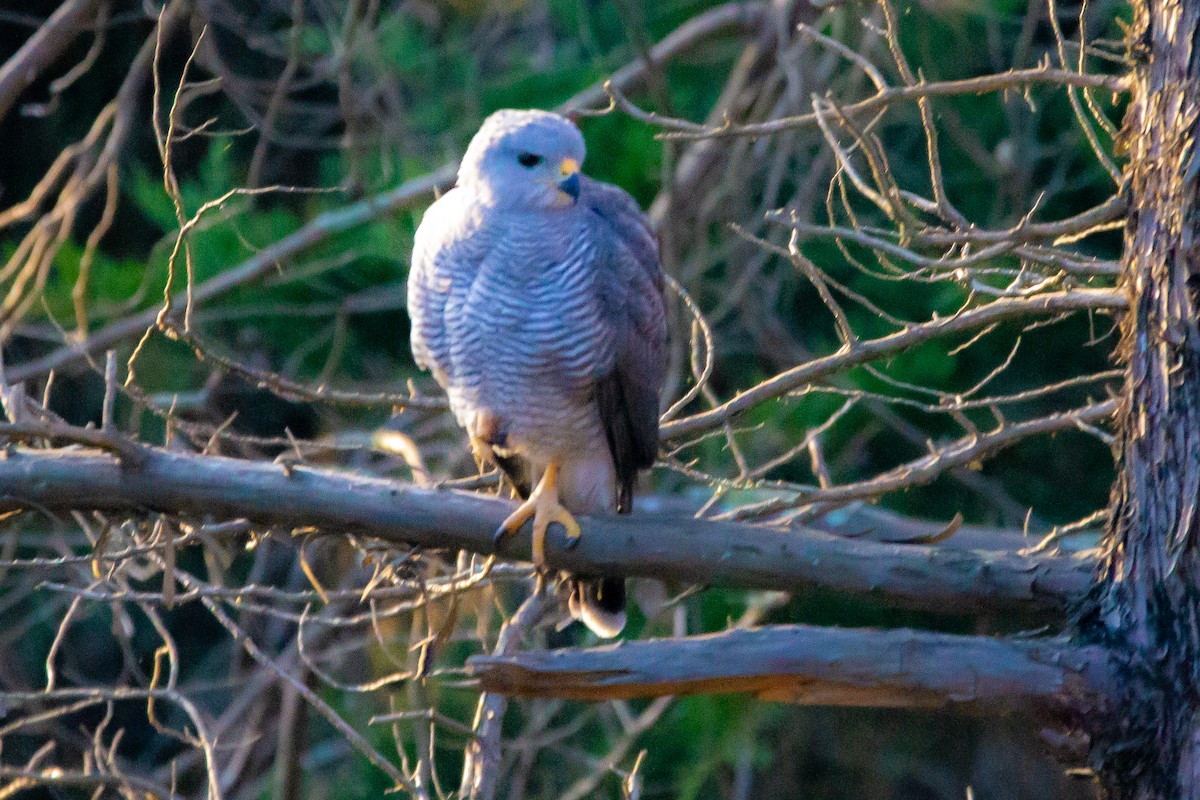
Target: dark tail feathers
599,603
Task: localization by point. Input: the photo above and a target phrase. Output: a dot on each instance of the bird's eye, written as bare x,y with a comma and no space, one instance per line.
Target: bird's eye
529,159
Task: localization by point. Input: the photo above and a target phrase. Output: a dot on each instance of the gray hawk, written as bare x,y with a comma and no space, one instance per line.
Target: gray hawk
536,299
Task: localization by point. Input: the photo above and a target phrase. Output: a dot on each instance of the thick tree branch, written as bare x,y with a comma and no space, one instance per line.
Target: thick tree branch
812,666
689,550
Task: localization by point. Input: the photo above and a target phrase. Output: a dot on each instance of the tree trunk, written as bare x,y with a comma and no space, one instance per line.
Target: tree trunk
1146,603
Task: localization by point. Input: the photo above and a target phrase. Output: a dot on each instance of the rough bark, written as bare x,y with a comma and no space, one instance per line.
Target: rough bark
815,666
1147,607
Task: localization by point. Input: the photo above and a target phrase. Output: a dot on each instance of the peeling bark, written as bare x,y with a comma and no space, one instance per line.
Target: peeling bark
1147,604
815,666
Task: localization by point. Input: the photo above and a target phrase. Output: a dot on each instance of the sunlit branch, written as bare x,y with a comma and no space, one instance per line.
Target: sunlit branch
812,666
966,450
670,548
874,349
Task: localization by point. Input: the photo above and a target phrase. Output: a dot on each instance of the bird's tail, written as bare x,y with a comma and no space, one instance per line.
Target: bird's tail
599,603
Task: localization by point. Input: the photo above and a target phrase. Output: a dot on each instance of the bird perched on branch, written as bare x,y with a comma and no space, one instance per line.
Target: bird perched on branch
536,298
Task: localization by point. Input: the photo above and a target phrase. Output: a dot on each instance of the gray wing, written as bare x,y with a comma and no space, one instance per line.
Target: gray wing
442,256
630,283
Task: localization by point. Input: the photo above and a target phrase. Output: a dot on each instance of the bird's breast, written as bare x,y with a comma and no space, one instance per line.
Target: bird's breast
528,341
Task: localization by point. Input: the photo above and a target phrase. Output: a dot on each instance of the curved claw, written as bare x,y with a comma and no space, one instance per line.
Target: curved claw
515,520
544,508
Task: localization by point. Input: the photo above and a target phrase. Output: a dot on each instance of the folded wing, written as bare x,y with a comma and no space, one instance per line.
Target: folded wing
630,282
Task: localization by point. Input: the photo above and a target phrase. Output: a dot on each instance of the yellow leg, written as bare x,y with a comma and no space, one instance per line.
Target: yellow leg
544,508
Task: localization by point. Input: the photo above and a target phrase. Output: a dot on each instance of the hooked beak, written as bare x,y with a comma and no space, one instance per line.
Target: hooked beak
569,185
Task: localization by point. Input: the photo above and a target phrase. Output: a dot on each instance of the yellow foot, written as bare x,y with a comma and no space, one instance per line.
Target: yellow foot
543,507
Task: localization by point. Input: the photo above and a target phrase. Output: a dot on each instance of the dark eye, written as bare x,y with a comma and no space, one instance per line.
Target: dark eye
529,159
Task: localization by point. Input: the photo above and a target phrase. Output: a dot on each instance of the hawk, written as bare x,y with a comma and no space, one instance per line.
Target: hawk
536,299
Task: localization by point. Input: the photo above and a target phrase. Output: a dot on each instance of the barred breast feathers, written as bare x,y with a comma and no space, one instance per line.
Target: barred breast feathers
529,317
540,310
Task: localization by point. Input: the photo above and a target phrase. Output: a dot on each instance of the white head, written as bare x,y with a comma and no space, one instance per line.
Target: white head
524,160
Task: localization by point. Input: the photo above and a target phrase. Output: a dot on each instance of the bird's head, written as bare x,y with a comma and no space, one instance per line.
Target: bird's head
524,159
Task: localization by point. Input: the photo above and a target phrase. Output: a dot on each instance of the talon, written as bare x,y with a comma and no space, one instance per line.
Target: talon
543,506
571,527
515,520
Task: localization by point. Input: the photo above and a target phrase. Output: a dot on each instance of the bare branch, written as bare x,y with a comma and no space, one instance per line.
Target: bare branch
1013,80
731,16
481,767
863,352
812,666
54,777
924,469
690,550
125,449
43,48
